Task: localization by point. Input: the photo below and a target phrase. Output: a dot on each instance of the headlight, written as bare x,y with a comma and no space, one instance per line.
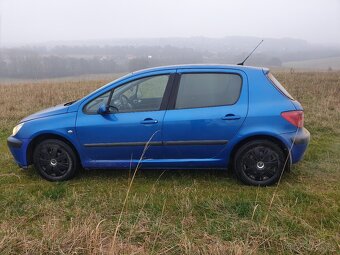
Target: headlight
17,128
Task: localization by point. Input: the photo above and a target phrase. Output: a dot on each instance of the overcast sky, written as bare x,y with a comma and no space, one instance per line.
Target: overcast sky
36,21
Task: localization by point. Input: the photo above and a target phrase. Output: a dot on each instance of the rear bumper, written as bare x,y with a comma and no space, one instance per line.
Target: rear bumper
298,144
302,137
18,148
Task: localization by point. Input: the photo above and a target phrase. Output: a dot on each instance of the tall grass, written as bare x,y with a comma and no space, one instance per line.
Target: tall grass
174,212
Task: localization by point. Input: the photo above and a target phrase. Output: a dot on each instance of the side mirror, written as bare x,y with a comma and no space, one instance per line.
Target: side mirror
103,109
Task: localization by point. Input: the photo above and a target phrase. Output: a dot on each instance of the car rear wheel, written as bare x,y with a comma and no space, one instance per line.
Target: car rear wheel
259,163
55,160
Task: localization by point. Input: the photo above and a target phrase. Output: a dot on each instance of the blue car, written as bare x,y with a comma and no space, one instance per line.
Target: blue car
175,117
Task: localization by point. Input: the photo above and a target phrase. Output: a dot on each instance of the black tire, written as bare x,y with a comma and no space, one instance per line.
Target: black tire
259,163
55,160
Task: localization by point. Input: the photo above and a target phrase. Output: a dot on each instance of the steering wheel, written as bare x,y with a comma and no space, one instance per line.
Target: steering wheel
125,102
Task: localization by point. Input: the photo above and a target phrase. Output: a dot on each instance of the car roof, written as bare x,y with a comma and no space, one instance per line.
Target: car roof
202,66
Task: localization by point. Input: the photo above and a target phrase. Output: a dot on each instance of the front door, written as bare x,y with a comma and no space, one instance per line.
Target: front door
208,109
131,130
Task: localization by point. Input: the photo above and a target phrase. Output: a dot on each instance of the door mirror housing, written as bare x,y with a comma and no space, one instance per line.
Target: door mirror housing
103,109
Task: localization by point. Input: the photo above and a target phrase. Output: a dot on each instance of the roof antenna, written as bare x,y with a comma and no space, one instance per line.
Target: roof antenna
241,64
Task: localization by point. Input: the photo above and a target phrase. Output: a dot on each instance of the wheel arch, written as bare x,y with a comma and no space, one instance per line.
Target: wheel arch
36,140
270,138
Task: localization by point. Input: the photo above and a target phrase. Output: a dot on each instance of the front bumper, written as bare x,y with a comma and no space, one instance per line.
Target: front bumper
18,148
298,143
13,142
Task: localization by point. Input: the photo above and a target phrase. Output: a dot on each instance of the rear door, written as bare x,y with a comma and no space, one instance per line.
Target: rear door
206,109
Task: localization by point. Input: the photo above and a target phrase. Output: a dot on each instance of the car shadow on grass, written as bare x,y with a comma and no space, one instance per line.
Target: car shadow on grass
213,175
154,174
146,174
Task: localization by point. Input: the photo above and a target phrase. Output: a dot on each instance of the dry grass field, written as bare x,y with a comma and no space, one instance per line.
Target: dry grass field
174,212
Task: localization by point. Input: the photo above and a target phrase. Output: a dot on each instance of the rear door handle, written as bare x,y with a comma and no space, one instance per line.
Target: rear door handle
231,117
149,121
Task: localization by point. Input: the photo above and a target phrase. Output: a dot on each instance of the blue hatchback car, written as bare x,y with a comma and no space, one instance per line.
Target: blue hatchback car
175,117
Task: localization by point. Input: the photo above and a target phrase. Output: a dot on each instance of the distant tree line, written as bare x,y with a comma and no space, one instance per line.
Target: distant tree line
30,65
61,61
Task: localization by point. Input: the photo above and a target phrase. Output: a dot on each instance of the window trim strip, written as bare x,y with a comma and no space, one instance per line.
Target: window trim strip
159,143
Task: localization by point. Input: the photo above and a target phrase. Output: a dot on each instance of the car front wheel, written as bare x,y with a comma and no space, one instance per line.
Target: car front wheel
55,160
259,163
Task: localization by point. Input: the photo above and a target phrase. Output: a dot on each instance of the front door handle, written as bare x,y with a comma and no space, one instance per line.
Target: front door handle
231,117
149,121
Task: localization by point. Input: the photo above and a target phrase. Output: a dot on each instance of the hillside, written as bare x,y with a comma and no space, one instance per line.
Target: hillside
332,63
61,59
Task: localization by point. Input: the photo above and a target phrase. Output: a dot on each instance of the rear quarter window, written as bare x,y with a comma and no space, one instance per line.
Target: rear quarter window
278,85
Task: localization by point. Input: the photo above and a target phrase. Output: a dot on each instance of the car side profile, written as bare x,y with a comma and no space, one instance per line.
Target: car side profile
175,117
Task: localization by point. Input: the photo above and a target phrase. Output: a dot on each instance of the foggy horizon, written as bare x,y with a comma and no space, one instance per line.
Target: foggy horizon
117,41
40,22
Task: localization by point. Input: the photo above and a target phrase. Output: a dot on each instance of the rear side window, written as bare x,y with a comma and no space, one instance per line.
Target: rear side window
208,89
278,85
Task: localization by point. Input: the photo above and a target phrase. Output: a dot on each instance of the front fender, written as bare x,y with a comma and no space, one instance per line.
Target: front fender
62,125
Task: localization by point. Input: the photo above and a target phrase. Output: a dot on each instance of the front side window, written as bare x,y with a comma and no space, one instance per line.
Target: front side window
140,95
94,105
208,89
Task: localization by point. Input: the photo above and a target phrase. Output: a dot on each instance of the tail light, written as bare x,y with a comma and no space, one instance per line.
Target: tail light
294,117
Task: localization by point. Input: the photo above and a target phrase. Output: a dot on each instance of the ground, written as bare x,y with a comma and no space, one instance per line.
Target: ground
174,212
